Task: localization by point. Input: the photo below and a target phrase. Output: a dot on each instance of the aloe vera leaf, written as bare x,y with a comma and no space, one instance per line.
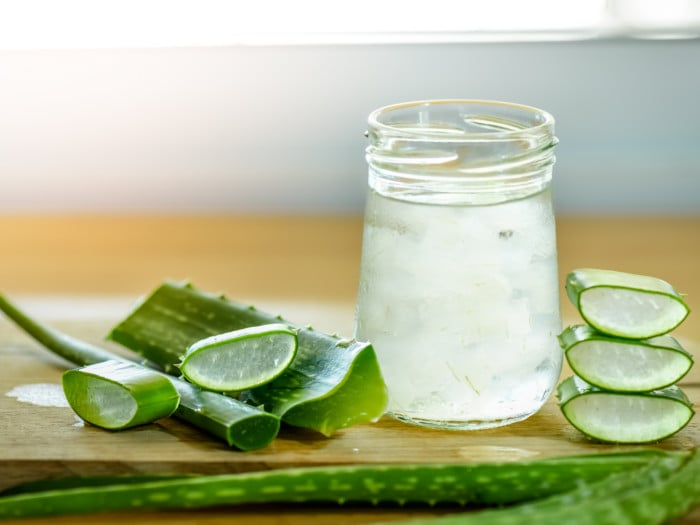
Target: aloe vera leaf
474,484
624,417
667,488
49,484
331,384
116,395
240,425
240,359
627,365
625,304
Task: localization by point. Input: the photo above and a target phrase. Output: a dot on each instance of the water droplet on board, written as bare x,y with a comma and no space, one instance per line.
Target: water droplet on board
40,394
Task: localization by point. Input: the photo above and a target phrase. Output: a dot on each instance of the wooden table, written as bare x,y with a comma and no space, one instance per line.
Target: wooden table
81,273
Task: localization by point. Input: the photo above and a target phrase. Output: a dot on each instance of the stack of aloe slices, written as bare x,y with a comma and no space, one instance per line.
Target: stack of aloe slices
625,364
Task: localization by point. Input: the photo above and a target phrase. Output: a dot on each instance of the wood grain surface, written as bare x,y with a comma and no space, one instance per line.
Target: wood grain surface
82,273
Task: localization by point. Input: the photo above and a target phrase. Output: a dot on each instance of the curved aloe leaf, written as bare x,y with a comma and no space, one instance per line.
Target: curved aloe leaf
332,383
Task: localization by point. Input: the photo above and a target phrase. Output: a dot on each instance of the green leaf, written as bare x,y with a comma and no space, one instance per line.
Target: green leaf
240,359
116,395
625,365
624,417
240,425
330,384
625,304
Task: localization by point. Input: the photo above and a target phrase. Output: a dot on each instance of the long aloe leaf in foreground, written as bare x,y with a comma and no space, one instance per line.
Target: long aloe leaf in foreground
466,484
237,423
331,384
667,488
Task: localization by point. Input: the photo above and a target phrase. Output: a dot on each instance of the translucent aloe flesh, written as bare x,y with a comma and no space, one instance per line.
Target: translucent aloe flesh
626,365
494,484
624,417
116,395
240,359
624,304
239,424
331,384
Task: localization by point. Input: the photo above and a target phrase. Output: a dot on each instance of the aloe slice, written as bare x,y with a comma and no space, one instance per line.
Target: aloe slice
116,395
238,424
626,365
624,304
623,417
240,359
474,484
331,384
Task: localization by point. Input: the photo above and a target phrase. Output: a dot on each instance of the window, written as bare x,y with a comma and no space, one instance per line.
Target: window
156,23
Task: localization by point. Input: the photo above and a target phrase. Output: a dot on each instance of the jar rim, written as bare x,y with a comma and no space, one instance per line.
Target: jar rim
545,124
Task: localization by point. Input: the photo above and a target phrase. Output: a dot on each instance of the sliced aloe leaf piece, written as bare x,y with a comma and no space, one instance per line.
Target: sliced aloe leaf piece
332,383
239,424
625,304
117,395
623,417
240,359
625,365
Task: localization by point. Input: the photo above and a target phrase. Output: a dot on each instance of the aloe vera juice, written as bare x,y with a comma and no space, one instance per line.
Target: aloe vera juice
461,303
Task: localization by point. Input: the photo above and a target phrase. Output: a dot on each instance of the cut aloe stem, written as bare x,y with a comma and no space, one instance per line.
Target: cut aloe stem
240,425
625,304
117,395
626,365
331,384
623,417
240,359
474,484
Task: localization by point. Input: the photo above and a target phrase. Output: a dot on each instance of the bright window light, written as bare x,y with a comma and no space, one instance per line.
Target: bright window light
156,23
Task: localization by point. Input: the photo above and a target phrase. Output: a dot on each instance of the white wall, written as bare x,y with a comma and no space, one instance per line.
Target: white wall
281,128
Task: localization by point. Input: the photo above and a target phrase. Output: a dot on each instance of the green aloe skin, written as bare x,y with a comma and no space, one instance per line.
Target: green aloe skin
331,384
624,417
636,306
240,359
117,395
625,365
239,424
541,490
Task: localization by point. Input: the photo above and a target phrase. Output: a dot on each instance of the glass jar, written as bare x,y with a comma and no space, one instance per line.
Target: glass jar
458,284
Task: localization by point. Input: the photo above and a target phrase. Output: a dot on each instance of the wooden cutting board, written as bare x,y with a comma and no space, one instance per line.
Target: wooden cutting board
39,438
